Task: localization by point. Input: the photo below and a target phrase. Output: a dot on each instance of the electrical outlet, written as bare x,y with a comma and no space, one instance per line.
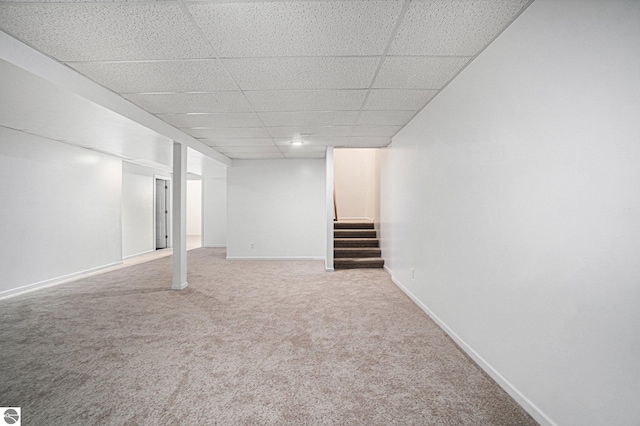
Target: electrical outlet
251,245
413,273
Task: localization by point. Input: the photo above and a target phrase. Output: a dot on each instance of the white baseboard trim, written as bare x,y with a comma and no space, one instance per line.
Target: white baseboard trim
328,264
138,254
522,400
275,258
179,286
215,246
390,272
52,282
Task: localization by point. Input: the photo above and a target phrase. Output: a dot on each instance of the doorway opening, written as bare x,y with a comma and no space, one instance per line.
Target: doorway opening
357,184
356,239
162,213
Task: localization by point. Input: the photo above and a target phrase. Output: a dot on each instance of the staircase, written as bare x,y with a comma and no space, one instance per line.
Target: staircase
356,245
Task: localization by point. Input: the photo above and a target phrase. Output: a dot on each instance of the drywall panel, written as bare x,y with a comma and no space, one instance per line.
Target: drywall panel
357,183
514,196
276,209
215,211
194,207
61,210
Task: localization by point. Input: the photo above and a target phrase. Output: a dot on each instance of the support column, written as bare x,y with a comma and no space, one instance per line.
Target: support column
179,219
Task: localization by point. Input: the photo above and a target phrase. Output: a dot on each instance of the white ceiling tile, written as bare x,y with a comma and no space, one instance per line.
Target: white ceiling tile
230,119
304,118
191,102
236,149
309,131
301,148
158,76
396,99
228,132
385,118
318,141
311,28
105,31
239,142
70,1
254,155
427,72
319,154
375,130
306,100
302,73
452,27
368,142
354,141
305,66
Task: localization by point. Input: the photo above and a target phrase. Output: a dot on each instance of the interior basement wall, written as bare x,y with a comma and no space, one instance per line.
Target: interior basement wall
61,211
138,221
357,183
278,206
214,211
515,197
194,207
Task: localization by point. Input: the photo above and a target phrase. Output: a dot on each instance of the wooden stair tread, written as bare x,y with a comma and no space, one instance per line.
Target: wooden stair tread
354,233
354,263
356,245
353,252
355,242
353,225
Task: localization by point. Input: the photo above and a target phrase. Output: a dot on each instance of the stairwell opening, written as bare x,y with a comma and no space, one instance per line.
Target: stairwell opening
357,206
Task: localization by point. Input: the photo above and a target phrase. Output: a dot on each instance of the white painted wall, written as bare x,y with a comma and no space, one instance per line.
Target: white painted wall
515,195
357,179
194,207
137,210
138,219
329,208
279,205
61,210
215,211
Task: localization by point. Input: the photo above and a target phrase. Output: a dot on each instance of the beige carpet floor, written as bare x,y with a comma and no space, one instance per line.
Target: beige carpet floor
248,342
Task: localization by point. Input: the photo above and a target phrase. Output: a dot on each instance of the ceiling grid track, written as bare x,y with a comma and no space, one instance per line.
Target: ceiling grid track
226,69
246,77
392,36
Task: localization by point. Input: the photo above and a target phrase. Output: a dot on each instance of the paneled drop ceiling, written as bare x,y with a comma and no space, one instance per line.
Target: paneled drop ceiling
247,77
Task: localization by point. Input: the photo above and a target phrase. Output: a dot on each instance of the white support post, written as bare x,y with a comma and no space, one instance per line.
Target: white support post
179,218
330,209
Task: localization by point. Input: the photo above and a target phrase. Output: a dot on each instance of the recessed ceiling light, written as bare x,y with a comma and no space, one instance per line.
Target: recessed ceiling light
296,142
